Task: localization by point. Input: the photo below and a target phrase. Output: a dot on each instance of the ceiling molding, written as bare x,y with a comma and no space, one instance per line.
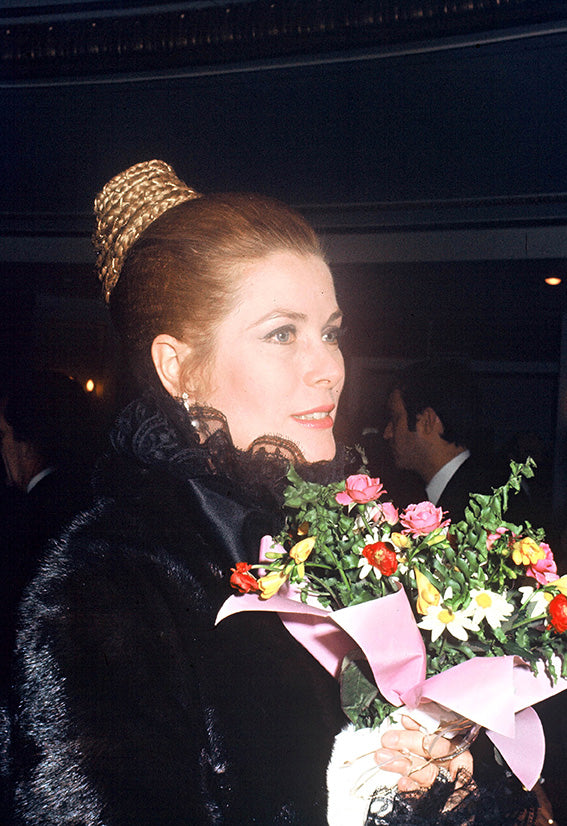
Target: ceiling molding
64,40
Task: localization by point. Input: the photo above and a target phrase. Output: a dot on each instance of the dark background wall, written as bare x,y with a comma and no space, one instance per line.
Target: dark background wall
475,120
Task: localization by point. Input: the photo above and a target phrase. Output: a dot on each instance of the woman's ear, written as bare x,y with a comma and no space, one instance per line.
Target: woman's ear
168,356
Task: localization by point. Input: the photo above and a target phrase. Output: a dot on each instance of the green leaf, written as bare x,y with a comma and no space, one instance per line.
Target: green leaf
358,689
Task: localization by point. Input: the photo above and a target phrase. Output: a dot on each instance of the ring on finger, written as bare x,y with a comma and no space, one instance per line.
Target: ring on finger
444,774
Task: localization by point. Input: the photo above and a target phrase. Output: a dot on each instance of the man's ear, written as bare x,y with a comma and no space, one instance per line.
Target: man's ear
168,356
431,422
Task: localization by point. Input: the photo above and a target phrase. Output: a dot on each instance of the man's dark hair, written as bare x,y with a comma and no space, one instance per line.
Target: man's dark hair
449,388
47,409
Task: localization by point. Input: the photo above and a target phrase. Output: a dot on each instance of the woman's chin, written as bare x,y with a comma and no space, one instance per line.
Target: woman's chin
322,450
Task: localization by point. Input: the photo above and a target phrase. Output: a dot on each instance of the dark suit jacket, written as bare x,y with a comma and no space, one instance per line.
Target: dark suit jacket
471,477
475,476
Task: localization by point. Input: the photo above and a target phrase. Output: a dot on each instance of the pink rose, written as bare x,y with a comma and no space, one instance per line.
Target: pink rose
421,519
386,512
544,570
492,537
360,489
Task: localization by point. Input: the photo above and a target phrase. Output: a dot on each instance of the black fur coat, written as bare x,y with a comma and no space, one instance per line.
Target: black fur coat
132,707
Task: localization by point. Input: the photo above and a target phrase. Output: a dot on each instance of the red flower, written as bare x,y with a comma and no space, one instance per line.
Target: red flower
558,613
242,580
380,556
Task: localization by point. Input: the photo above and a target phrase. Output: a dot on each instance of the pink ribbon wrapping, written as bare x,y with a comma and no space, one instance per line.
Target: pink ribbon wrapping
495,692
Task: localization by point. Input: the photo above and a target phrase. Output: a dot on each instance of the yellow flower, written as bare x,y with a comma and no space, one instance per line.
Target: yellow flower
271,583
302,549
560,584
428,593
400,540
526,551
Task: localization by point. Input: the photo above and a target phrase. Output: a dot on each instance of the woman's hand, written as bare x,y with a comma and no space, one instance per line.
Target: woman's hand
406,751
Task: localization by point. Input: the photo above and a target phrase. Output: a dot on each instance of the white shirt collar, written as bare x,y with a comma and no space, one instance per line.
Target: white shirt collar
438,483
38,477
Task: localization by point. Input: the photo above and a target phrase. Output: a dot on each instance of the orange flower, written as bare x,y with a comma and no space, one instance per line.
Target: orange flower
380,556
558,613
242,580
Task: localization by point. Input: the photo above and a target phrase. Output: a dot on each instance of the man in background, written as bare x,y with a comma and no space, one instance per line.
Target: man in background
46,431
433,429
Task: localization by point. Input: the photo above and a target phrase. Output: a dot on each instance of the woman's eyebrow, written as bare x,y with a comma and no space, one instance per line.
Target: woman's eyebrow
279,313
292,315
336,316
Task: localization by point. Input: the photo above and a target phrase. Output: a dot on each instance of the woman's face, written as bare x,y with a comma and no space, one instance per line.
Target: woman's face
277,367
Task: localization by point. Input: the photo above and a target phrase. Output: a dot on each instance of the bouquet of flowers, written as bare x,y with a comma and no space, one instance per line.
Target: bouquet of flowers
471,615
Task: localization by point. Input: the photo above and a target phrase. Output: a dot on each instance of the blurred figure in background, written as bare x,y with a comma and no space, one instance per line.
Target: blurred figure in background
433,419
404,486
46,432
432,415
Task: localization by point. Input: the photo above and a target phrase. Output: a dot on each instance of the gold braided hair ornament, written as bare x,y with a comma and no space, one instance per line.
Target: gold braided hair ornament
126,206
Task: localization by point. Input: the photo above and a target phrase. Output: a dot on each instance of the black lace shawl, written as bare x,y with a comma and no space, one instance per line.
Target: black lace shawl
157,430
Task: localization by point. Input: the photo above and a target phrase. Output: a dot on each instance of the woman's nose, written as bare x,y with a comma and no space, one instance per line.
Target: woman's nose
326,367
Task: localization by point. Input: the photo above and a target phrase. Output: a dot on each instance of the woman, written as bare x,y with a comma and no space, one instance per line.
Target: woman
133,707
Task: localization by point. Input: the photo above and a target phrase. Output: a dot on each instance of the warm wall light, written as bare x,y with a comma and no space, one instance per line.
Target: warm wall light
89,385
553,281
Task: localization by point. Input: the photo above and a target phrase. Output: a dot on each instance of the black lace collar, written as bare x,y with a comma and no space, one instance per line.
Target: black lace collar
157,430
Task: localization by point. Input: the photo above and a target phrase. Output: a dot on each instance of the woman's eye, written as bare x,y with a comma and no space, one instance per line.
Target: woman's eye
333,335
283,335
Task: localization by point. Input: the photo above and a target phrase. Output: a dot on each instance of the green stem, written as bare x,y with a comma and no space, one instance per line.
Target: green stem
343,577
339,568
326,589
527,621
319,565
365,520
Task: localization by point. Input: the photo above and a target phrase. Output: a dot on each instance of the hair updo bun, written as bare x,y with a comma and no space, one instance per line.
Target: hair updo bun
126,206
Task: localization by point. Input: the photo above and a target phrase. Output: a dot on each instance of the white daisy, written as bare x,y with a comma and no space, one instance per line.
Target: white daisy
361,522
375,534
366,568
538,599
492,607
439,618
